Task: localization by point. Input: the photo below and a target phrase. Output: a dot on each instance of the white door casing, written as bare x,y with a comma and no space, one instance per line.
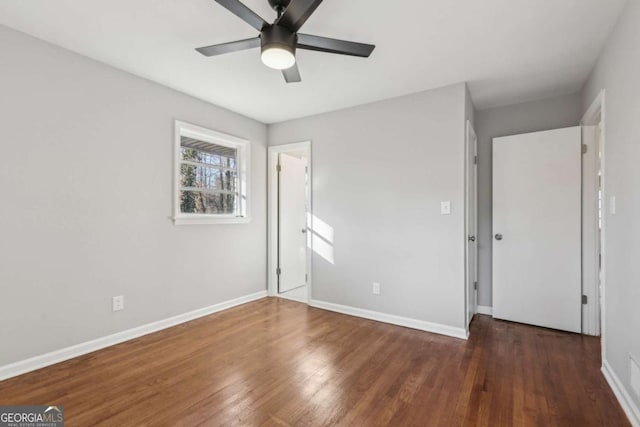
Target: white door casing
591,230
298,149
537,228
596,116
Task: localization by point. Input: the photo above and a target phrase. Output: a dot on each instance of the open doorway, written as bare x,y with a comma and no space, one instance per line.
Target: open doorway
289,221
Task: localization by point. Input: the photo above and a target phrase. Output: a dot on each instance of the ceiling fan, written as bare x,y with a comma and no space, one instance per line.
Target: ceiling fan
279,41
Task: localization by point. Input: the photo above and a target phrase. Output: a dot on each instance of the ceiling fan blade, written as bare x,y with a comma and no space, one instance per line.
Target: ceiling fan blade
297,14
341,47
292,75
219,49
244,13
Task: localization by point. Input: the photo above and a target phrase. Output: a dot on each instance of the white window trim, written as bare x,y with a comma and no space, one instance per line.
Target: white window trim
208,135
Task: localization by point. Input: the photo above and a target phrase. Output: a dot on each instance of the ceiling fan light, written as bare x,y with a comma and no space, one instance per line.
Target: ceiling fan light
278,57
278,47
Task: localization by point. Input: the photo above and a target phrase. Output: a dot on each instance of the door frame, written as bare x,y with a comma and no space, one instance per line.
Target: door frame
470,168
595,321
272,214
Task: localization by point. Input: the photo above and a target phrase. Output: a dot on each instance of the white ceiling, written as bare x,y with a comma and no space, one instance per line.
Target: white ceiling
508,50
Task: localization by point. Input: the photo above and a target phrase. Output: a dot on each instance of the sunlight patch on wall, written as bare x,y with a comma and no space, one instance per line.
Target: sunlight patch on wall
320,239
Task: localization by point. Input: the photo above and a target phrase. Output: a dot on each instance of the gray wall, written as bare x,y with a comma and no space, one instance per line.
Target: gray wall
553,113
617,72
86,180
380,173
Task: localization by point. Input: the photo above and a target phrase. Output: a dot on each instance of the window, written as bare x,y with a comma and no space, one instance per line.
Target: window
211,176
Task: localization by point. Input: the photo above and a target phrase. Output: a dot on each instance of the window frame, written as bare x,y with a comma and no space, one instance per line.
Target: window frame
243,161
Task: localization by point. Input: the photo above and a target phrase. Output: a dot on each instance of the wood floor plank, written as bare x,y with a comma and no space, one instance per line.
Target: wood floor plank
275,362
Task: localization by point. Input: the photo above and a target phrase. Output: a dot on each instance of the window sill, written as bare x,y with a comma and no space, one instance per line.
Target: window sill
209,220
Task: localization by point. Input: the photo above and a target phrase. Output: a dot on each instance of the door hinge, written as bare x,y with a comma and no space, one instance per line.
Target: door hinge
585,300
278,271
306,278
475,160
584,148
475,286
278,168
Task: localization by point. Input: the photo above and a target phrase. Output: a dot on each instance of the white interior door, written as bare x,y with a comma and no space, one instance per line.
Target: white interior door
537,228
471,222
292,220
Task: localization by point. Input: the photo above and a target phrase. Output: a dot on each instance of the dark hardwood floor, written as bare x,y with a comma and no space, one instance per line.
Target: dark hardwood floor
279,363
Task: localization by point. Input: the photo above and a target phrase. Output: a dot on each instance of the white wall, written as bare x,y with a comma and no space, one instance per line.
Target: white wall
380,172
86,179
553,113
617,72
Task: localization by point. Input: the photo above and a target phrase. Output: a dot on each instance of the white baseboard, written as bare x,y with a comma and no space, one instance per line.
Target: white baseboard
37,362
627,403
483,309
437,328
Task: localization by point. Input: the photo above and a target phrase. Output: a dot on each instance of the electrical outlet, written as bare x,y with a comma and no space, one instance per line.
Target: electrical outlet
118,303
635,376
376,288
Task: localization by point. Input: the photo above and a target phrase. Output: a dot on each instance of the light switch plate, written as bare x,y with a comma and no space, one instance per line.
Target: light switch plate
445,208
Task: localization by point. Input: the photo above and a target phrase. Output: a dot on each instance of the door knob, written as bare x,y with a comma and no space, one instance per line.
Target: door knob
498,236
304,231
472,238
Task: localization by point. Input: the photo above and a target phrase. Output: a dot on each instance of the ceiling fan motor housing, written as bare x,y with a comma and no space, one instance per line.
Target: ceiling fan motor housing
277,37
